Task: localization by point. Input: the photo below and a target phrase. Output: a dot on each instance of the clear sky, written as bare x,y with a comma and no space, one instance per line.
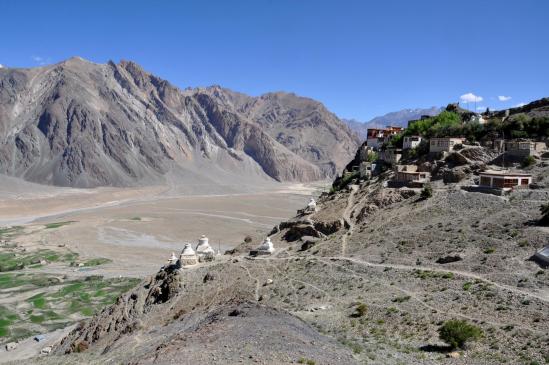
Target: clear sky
360,58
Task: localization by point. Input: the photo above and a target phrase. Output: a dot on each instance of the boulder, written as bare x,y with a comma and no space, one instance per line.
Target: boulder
453,176
448,259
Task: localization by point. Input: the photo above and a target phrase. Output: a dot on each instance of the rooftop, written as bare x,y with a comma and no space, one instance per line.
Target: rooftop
505,173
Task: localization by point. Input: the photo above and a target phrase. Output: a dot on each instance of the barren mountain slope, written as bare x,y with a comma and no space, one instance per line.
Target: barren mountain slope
302,125
82,124
377,269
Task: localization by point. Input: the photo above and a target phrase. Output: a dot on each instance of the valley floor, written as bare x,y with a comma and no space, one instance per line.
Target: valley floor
66,236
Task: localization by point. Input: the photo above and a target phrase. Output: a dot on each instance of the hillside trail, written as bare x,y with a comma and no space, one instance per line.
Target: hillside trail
347,219
467,274
415,297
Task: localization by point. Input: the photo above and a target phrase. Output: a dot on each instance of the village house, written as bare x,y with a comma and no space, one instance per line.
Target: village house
366,170
524,148
408,175
445,144
504,180
376,137
409,142
390,155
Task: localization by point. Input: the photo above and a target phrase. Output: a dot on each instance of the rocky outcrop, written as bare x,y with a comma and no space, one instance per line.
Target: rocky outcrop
125,315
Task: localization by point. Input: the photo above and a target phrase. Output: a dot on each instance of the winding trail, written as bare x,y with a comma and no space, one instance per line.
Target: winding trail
347,219
467,274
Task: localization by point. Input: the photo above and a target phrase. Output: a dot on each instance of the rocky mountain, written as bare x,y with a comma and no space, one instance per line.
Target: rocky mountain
398,118
77,123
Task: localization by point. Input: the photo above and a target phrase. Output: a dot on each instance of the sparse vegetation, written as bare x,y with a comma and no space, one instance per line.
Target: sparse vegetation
544,209
360,310
528,161
457,333
57,224
426,192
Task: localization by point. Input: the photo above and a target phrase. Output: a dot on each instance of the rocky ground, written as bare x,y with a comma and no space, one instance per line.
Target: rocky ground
369,278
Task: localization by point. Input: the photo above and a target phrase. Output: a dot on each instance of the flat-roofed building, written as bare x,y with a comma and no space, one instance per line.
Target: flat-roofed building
524,148
445,144
504,179
409,142
410,176
375,137
392,156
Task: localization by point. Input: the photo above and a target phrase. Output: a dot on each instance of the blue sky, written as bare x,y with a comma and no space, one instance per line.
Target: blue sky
360,58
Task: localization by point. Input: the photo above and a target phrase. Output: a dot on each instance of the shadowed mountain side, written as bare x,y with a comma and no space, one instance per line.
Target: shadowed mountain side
83,124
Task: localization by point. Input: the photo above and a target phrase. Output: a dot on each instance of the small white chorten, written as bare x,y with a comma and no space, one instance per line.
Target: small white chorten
173,259
266,247
204,251
312,205
188,256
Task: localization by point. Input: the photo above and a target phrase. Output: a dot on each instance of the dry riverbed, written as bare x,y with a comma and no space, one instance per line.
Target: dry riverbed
67,253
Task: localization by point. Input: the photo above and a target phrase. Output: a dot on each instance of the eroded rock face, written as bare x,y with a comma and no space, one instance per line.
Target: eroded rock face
83,124
125,315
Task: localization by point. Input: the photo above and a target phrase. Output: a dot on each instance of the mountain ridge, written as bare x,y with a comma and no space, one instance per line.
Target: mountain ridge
77,123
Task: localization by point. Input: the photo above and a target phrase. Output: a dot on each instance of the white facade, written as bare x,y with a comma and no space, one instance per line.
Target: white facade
445,144
409,142
504,180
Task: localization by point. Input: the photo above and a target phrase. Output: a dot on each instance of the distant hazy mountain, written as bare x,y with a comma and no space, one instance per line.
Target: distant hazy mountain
399,118
78,123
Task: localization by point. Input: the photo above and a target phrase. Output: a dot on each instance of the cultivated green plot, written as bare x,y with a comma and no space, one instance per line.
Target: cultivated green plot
58,224
55,304
11,260
8,232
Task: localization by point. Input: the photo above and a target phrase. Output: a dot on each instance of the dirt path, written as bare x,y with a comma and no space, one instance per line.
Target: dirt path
414,296
544,298
348,220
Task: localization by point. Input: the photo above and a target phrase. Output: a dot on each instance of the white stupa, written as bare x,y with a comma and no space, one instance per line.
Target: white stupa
204,251
312,205
266,247
188,256
172,260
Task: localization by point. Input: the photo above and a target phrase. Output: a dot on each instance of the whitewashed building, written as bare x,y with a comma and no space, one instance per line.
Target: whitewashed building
409,142
504,179
445,144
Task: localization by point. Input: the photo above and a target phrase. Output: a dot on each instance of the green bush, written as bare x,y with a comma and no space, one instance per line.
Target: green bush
544,209
427,192
457,333
360,310
528,161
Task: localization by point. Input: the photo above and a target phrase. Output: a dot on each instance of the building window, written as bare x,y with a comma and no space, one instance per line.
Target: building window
484,180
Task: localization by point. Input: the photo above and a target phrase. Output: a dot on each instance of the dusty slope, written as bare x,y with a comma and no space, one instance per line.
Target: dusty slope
376,246
82,124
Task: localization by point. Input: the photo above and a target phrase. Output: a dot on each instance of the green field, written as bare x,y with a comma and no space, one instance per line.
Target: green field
56,304
11,260
57,224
